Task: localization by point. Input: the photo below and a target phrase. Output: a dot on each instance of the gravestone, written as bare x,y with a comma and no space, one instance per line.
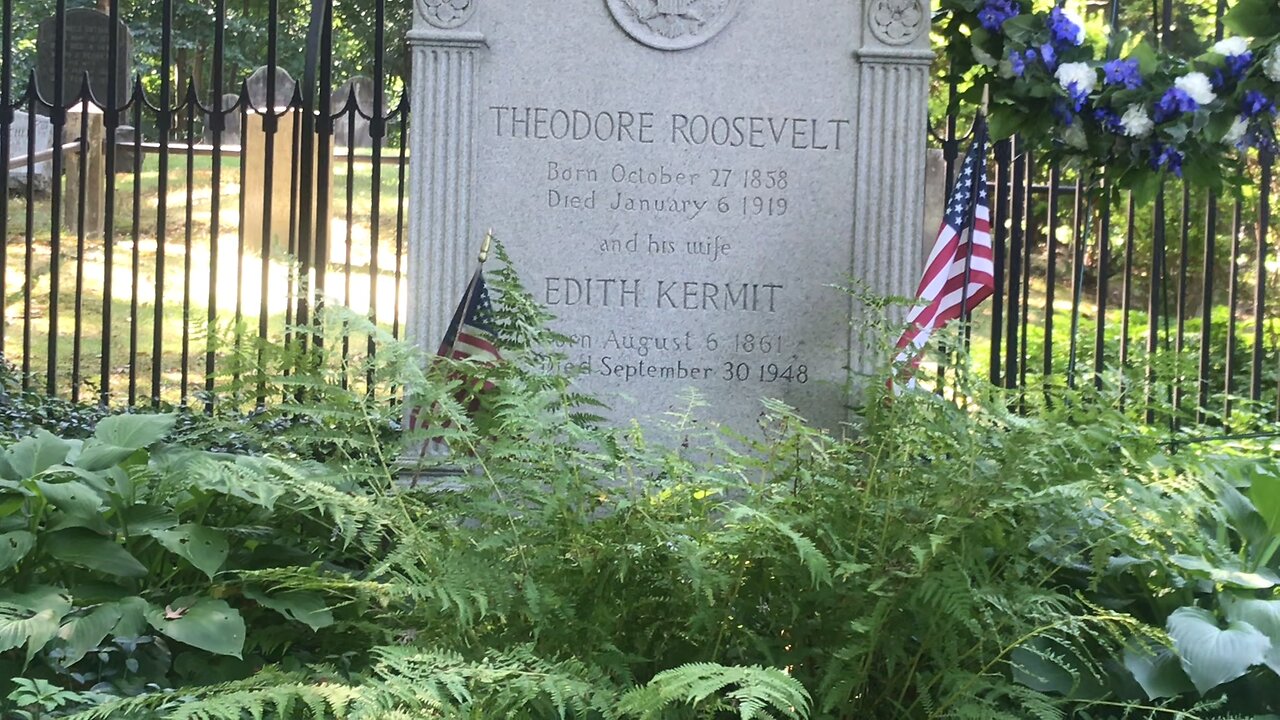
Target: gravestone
230,121
270,146
40,174
683,182
352,106
262,97
86,49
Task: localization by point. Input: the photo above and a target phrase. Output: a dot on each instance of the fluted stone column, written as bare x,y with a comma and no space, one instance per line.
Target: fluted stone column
442,240
891,149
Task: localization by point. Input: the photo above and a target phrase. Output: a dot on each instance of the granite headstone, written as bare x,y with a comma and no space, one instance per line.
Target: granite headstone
265,96
40,174
352,106
686,184
86,49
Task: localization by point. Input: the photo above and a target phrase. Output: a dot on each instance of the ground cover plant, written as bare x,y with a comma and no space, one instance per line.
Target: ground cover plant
934,558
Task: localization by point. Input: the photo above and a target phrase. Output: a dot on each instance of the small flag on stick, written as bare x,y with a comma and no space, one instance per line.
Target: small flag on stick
470,335
960,273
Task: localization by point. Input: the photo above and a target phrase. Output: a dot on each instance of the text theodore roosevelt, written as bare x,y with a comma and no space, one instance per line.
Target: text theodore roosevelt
687,129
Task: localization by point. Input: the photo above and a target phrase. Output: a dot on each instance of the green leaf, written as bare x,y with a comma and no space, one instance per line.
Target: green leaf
71,497
88,549
1265,494
147,519
1234,577
84,633
1156,669
134,432
206,548
1211,655
32,456
209,625
1264,615
133,617
1045,665
31,618
1253,18
14,546
306,608
1146,56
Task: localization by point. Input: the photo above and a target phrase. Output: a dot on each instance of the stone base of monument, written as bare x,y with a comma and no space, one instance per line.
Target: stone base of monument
272,191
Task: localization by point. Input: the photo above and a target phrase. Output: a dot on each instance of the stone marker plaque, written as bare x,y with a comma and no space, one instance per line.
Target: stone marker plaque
20,146
86,49
685,183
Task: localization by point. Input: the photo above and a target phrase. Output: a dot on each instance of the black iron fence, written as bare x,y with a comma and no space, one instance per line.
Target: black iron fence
185,178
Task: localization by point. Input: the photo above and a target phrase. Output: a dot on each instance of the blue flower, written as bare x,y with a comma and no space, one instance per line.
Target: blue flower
1064,29
1123,72
1255,103
1018,62
1109,120
1049,56
1062,111
1166,156
1238,65
995,12
1174,102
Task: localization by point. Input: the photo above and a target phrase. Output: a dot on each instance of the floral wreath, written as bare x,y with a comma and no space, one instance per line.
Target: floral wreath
1114,102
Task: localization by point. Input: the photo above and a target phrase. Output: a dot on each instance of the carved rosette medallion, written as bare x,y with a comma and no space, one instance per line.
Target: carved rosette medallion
896,22
446,14
673,24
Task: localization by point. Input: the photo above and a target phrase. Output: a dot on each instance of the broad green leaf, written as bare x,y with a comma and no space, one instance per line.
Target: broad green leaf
31,618
1265,494
133,617
14,546
1156,669
146,519
1211,655
32,456
306,608
1253,18
71,497
1146,56
134,432
1264,615
84,633
1047,666
1235,577
210,625
206,548
88,549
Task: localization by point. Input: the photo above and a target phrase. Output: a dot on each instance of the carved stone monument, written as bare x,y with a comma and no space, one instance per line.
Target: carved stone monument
685,183
86,50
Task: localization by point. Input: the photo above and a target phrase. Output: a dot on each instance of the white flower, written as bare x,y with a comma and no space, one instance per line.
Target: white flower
1197,86
1231,47
1079,74
1237,131
1079,23
1136,122
1271,66
983,57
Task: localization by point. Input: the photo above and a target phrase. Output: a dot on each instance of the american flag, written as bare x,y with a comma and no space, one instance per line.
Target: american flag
470,336
963,250
470,333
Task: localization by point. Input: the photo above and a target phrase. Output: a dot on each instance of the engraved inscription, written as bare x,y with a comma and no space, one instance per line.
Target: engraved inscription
673,24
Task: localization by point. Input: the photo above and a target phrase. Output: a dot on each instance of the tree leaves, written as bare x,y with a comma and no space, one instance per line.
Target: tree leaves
208,624
1210,655
83,633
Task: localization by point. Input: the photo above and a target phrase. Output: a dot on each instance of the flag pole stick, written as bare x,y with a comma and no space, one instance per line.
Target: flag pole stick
971,217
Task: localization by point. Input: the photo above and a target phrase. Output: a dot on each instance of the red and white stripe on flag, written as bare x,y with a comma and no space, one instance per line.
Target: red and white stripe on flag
962,251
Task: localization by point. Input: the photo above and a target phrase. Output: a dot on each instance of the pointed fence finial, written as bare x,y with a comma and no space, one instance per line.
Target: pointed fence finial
484,248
